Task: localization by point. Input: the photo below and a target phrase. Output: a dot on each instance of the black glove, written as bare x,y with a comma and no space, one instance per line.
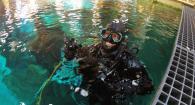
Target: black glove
70,48
145,87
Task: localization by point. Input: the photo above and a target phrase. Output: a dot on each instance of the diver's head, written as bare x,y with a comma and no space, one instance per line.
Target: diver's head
113,35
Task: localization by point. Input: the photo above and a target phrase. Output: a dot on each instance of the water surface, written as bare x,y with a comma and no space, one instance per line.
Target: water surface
32,32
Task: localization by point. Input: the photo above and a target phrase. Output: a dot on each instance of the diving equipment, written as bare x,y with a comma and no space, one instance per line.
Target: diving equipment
110,36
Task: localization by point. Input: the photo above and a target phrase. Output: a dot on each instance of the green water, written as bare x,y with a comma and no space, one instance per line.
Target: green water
32,32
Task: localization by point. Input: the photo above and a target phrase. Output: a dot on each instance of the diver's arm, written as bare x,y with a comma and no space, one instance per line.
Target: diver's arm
145,85
141,80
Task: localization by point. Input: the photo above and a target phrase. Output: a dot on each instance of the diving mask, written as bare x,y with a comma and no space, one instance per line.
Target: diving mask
110,36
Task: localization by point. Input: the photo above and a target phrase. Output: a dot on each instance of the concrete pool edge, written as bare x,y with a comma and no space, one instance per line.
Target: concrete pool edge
170,3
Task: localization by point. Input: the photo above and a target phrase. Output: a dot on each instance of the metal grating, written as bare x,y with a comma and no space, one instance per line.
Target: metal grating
178,85
187,29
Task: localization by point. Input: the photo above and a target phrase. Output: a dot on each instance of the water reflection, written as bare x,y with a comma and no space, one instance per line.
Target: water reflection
73,4
32,32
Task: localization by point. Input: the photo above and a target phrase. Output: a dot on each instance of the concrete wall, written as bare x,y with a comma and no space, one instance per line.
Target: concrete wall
172,3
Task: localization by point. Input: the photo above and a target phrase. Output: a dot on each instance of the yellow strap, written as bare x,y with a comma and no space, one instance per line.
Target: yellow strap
46,82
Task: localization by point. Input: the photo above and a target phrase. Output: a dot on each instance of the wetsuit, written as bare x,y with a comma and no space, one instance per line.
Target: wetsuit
111,76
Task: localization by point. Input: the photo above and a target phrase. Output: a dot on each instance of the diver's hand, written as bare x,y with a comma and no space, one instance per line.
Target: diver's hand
70,48
145,87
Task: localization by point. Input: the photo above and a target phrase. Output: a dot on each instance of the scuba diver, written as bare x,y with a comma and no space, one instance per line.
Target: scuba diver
111,71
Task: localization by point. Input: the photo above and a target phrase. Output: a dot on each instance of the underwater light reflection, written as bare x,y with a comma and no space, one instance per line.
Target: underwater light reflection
25,9
73,4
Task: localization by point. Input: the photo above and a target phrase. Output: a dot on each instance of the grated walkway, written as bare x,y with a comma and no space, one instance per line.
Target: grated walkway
178,84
